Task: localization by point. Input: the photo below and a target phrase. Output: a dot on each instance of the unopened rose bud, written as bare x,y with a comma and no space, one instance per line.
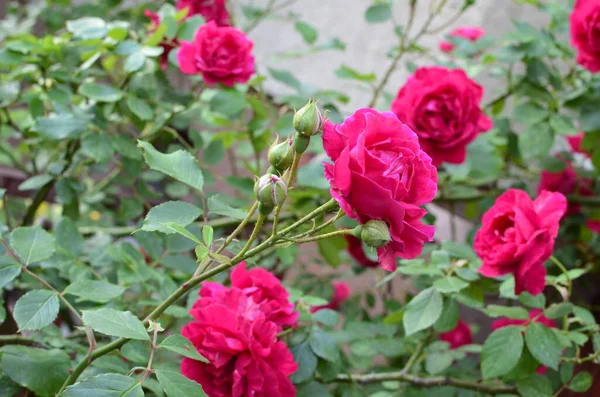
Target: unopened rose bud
281,155
270,192
308,121
375,233
301,143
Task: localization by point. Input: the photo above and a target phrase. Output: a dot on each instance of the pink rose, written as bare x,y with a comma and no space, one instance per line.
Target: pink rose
443,107
341,293
246,359
211,10
517,236
472,33
459,336
593,225
266,290
356,251
575,143
380,172
166,44
221,54
585,33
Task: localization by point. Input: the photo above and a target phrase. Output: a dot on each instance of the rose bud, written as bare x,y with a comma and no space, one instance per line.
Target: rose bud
375,233
270,192
301,142
281,155
308,121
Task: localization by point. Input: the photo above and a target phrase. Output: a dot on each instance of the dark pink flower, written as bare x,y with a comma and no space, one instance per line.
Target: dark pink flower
341,293
575,143
443,107
461,335
585,33
380,172
356,251
472,33
266,290
517,236
211,10
593,225
246,359
166,44
221,54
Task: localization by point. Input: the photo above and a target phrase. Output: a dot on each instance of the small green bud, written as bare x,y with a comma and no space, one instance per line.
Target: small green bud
308,121
301,143
375,233
281,155
270,192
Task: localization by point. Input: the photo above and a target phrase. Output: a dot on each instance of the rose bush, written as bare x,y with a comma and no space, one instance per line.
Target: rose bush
180,215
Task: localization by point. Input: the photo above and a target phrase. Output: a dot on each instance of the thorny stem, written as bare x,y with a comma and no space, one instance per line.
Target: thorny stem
151,358
255,231
238,229
337,233
325,225
415,356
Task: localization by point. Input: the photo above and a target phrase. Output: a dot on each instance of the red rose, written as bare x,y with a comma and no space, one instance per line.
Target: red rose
211,10
222,54
593,225
517,236
443,107
380,172
266,290
459,336
566,182
341,293
246,359
356,251
575,143
585,33
166,44
472,33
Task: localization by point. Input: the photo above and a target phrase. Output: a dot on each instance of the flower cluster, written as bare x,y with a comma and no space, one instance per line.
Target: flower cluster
471,33
379,172
236,330
211,10
585,33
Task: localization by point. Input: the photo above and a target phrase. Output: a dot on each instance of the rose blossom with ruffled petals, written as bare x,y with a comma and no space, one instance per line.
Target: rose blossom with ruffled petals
341,293
472,33
211,10
443,107
517,236
380,172
585,33
221,54
356,251
245,358
166,44
459,336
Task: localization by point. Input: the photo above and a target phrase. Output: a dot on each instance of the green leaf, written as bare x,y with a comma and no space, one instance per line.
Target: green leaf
217,205
228,102
581,382
448,285
584,315
104,385
378,13
32,244
436,363
309,34
515,312
315,389
35,182
558,310
61,126
323,345
214,152
501,351
95,291
346,72
68,236
133,63
181,230
8,271
285,77
116,323
97,147
307,362
36,309
88,28
449,317
9,92
535,386
140,108
536,302
461,251
423,311
100,92
543,344
181,345
326,316
177,385
190,27
208,234
562,125
172,212
530,114
180,165
535,141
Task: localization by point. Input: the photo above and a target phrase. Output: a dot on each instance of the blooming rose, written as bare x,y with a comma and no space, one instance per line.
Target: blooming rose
443,107
472,33
380,172
356,251
166,44
341,293
245,357
535,315
585,33
211,10
459,336
517,236
221,54
575,143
